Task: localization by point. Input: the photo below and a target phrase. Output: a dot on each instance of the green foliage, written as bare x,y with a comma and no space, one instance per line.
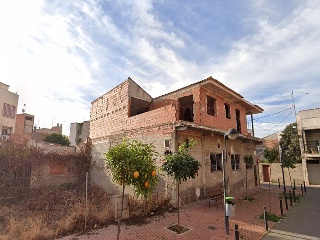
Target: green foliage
271,155
182,165
128,157
271,217
145,165
248,159
57,138
290,141
250,199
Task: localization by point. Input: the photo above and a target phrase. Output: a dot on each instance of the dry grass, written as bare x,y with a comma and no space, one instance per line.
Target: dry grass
54,213
50,213
154,206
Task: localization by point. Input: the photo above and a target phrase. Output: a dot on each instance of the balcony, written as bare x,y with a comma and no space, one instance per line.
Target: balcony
312,151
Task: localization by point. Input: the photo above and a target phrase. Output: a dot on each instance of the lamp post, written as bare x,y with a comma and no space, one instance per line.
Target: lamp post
231,134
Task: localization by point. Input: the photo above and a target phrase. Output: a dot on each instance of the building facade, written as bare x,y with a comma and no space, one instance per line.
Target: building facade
23,128
8,107
202,111
79,132
308,122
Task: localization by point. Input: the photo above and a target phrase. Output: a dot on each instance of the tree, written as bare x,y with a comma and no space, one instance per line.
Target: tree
145,176
181,166
271,156
290,142
57,138
131,163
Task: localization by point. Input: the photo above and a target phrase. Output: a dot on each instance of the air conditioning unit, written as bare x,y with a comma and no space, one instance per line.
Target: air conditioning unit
4,138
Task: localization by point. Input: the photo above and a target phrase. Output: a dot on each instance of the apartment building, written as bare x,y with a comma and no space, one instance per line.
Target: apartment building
8,105
308,123
79,132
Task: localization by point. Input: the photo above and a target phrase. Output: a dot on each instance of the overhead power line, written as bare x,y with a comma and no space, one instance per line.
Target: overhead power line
273,114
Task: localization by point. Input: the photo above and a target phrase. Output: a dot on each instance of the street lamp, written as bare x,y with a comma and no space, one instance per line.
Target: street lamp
231,134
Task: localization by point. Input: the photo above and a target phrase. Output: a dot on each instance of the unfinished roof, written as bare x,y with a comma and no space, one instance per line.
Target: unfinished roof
218,88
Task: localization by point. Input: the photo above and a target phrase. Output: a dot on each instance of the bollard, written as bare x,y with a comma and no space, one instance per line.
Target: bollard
236,231
286,201
294,195
290,195
265,216
304,186
301,190
279,182
281,208
294,184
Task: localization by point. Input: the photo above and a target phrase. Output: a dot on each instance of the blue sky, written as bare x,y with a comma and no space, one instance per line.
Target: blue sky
60,55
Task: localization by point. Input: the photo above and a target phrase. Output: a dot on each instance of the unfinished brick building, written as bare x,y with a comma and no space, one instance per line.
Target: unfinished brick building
202,111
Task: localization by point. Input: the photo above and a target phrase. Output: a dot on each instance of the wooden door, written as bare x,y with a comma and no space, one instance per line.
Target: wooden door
266,173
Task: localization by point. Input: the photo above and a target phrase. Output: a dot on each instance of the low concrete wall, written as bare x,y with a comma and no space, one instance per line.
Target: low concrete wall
276,173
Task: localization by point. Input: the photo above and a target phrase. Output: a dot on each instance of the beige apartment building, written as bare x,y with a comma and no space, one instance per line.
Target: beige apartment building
79,132
308,122
8,107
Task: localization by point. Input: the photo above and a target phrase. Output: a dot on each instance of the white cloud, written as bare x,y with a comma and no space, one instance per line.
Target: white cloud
60,56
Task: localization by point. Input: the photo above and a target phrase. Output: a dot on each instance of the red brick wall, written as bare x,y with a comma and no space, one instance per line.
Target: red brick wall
56,167
200,109
109,113
272,143
158,116
220,121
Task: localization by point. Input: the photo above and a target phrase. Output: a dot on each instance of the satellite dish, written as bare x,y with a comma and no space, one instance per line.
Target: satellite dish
24,108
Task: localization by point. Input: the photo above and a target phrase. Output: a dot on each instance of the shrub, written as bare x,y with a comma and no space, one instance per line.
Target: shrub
57,138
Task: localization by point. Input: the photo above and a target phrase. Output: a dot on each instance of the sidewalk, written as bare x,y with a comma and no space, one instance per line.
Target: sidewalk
301,222
203,221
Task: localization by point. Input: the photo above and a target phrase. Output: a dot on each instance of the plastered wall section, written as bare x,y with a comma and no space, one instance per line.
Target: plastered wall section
156,135
276,173
208,180
9,98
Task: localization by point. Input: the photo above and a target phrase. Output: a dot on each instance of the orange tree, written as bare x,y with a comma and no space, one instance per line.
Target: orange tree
131,163
181,166
144,170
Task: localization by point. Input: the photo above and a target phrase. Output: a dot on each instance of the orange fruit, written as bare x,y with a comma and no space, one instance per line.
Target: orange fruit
146,184
136,174
120,183
153,173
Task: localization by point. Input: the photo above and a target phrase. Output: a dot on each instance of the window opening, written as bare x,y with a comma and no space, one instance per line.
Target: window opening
227,110
238,122
235,161
215,162
211,106
186,108
29,118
